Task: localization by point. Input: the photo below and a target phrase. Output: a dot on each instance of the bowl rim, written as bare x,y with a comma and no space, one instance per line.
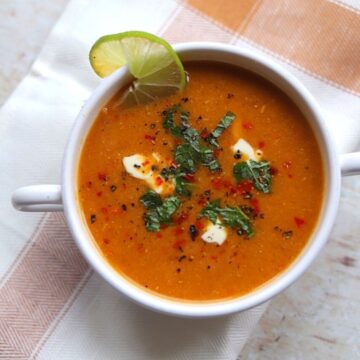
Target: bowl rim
275,73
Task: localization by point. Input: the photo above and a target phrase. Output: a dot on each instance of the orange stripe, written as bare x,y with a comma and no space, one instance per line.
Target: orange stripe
38,288
228,12
321,37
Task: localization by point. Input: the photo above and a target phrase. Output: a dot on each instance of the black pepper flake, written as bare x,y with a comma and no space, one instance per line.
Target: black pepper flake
237,155
132,205
146,286
181,258
178,270
240,232
185,99
152,126
165,143
207,193
124,207
193,232
92,218
208,267
230,96
154,168
200,117
137,166
262,216
113,188
287,234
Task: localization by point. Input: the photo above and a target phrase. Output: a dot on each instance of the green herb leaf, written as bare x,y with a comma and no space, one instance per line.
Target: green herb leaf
211,210
169,121
185,157
233,217
152,221
159,212
256,171
224,123
167,209
209,160
182,186
151,199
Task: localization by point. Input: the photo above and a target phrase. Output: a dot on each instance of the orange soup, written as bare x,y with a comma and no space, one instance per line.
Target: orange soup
204,195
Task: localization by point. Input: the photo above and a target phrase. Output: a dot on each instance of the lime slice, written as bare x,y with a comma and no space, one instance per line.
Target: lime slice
156,67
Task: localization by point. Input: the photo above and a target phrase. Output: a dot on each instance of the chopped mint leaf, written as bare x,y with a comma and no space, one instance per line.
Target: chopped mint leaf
256,171
185,158
224,123
159,212
151,199
233,217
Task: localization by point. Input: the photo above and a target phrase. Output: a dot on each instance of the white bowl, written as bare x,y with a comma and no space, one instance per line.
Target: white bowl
55,197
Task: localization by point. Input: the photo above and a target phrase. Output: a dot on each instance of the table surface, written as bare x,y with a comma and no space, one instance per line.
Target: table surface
319,316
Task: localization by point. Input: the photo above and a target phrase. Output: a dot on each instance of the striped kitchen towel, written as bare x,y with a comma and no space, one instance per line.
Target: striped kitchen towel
52,305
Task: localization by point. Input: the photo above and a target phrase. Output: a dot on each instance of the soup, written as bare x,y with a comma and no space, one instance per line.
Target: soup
204,195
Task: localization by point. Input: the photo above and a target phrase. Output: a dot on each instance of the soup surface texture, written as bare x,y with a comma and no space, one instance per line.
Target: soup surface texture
178,260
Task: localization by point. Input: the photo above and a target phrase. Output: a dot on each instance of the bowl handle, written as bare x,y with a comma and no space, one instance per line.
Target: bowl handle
38,198
350,164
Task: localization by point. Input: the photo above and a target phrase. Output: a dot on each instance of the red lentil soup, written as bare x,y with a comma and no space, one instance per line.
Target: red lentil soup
275,198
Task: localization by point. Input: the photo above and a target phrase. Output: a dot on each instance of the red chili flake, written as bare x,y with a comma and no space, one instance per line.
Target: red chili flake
107,218
178,231
286,164
181,218
89,184
146,162
248,126
244,187
106,241
202,200
290,176
204,133
124,185
227,184
104,210
217,152
189,177
177,142
233,190
101,176
199,225
261,144
178,244
163,226
158,181
255,204
273,171
140,247
149,137
213,257
159,236
216,183
299,222
99,193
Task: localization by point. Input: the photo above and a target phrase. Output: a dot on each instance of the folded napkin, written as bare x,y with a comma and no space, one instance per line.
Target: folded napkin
52,306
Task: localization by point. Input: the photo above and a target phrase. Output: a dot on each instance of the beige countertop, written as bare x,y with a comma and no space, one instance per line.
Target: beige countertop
316,318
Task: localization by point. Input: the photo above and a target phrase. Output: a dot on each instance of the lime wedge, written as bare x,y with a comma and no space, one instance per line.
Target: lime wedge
156,67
